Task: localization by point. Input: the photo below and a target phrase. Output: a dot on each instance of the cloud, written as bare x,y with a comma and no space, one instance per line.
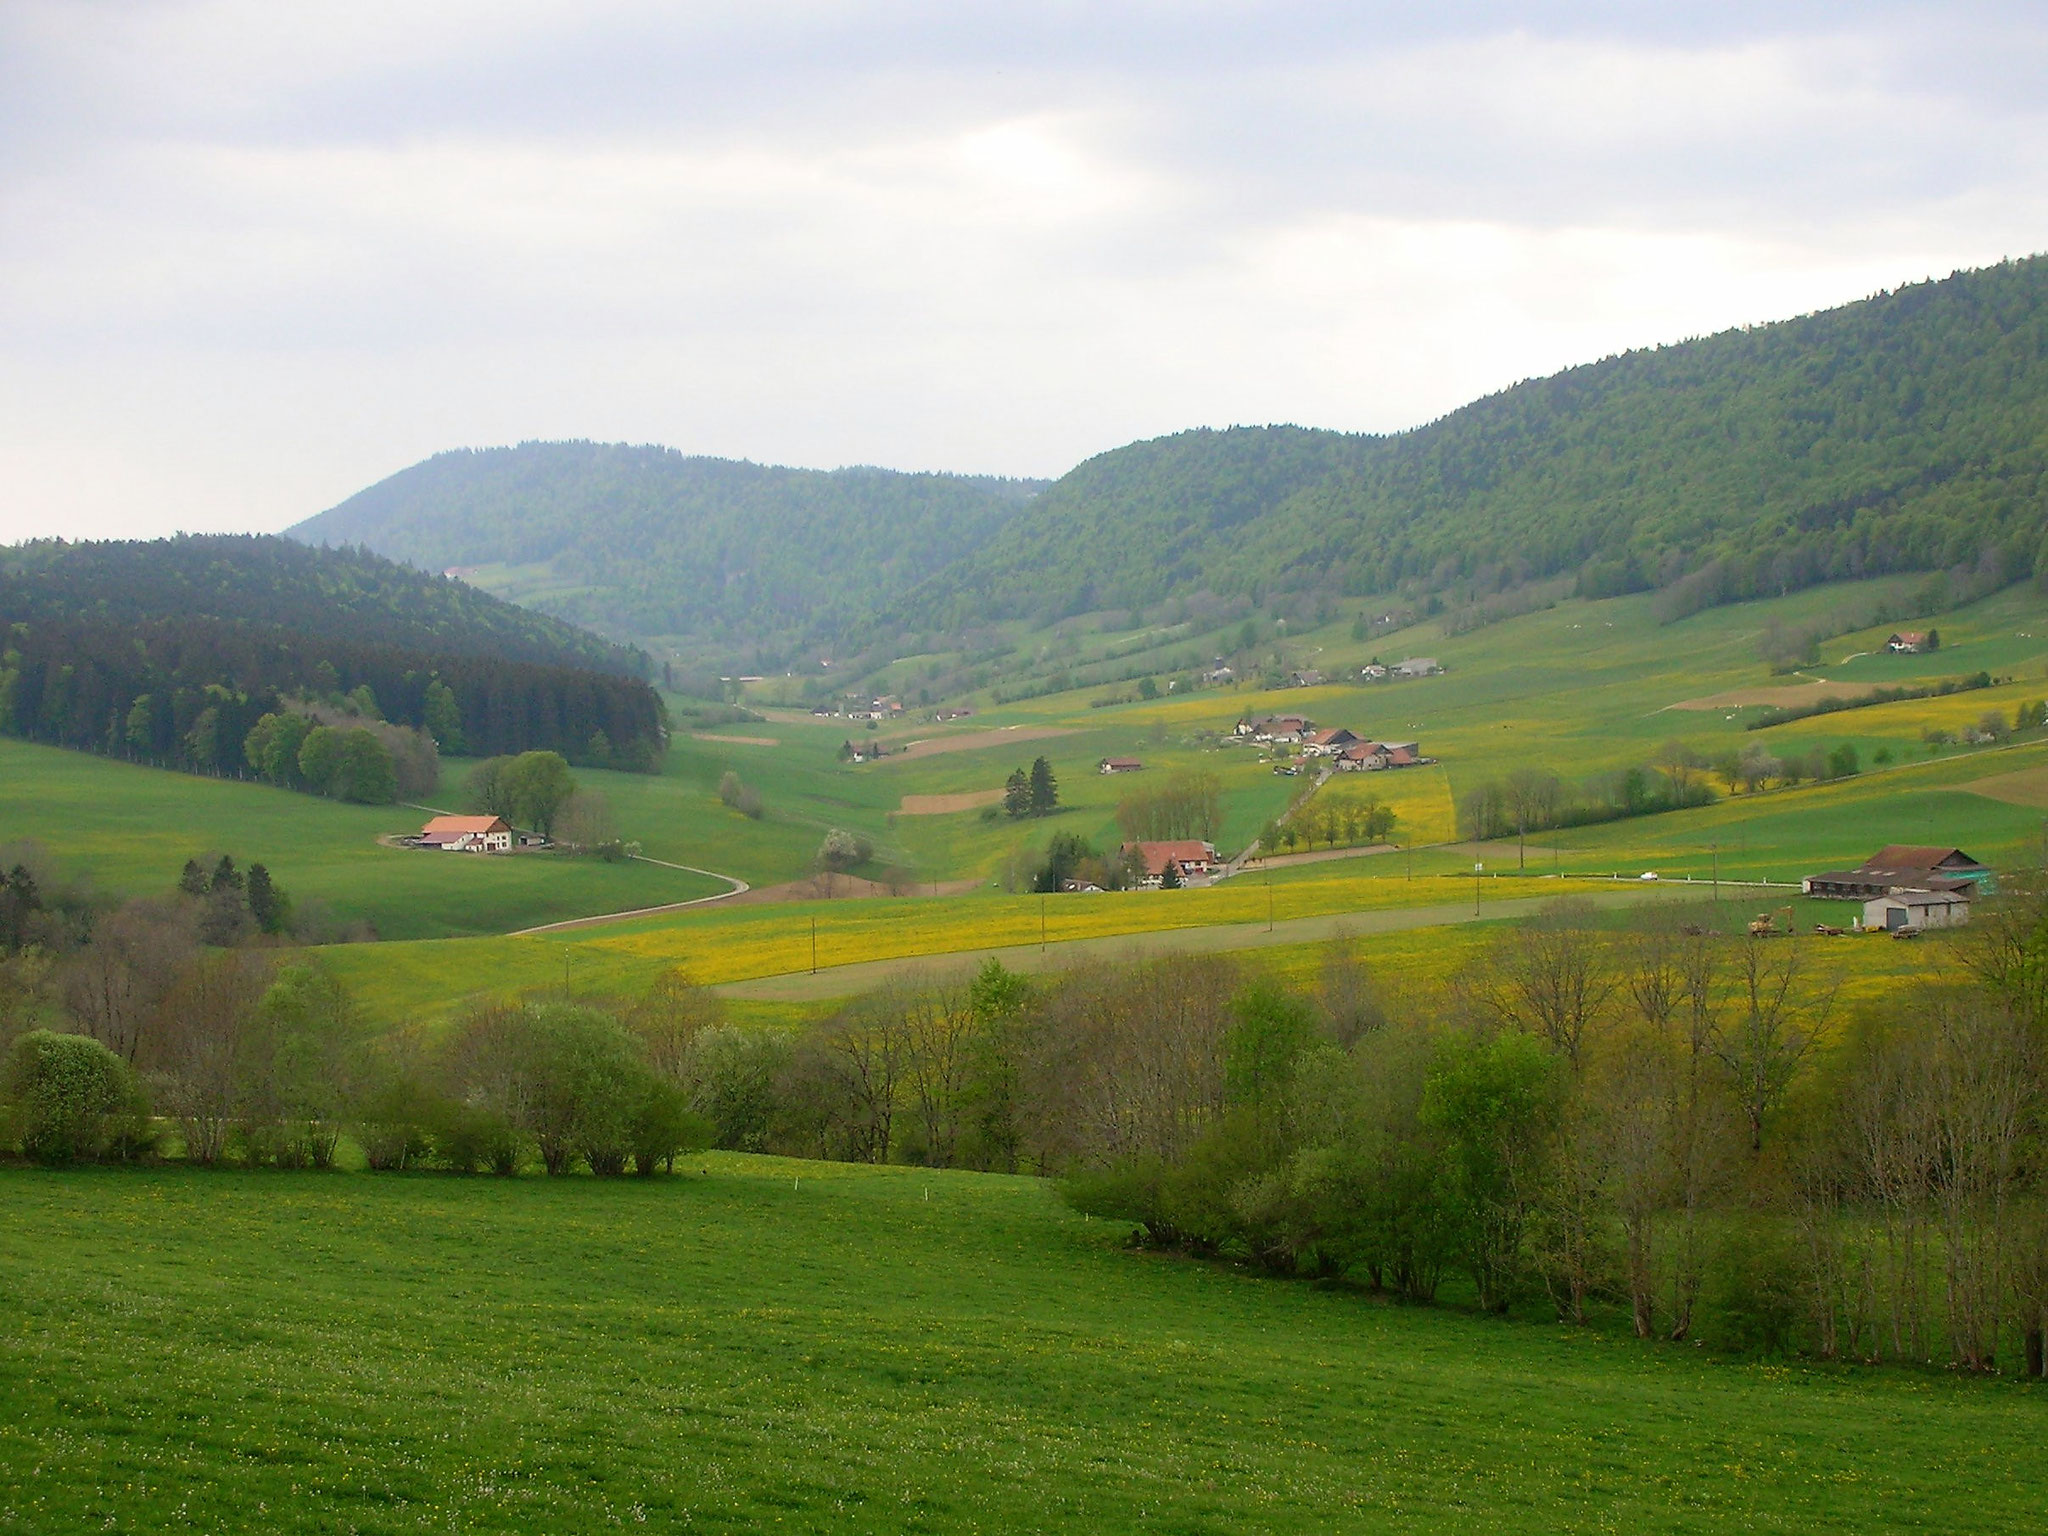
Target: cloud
253,257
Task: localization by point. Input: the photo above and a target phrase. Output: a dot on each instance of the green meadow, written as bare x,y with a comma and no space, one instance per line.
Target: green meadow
758,1345
130,829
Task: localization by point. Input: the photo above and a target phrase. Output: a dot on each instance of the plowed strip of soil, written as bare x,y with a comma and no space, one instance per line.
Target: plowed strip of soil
738,741
945,805
2029,786
974,741
1779,695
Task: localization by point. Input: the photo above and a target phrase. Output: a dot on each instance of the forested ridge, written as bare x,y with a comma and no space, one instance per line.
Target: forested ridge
1907,432
649,541
172,652
259,580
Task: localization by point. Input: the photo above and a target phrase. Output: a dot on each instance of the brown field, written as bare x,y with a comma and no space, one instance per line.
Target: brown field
1776,695
945,805
974,741
738,741
2029,786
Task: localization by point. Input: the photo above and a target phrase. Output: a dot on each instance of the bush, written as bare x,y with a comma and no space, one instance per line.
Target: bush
666,1126
842,850
739,797
1756,1293
72,1098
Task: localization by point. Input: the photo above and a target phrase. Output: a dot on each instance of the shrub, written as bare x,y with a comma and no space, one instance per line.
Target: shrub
842,850
1756,1292
73,1098
666,1126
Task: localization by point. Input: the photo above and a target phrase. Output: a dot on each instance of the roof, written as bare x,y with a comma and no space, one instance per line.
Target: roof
460,826
1922,899
1332,736
1909,637
1186,850
1904,856
1121,762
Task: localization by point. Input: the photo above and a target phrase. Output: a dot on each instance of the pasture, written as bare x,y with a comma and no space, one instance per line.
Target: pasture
130,829
757,1345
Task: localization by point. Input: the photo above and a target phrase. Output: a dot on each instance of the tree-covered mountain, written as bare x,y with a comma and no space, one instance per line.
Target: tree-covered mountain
172,651
1905,432
264,580
650,542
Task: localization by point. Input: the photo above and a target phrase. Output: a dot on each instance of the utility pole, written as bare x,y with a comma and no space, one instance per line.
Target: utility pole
814,943
1041,922
1476,868
1269,901
565,976
1717,873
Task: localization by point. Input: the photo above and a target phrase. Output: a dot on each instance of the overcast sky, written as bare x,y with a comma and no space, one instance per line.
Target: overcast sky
255,256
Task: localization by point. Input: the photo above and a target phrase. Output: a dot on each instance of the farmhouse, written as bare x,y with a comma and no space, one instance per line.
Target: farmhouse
1907,642
1917,909
467,834
1418,666
1277,728
1332,742
1372,672
1308,679
1903,867
1195,860
1119,765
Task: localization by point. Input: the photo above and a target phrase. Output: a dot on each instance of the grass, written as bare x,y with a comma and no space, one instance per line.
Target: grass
130,829
813,1348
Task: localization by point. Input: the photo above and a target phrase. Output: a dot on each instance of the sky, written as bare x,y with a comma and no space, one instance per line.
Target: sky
254,257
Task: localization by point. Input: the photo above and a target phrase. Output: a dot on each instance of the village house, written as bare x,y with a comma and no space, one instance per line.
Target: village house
1372,672
1362,757
1283,728
1419,666
1907,642
1330,743
1307,679
1193,859
1914,910
1119,765
467,834
1901,868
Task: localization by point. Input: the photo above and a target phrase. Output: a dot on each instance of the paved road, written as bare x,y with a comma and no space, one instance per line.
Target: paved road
844,980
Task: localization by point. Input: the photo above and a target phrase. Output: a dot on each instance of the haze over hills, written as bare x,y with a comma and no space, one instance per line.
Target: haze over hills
1906,432
646,541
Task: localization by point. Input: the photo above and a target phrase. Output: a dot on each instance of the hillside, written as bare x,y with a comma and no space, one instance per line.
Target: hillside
1908,432
263,581
649,542
172,651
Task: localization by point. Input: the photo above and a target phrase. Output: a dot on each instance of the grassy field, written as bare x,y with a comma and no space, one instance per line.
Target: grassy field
130,829
827,1348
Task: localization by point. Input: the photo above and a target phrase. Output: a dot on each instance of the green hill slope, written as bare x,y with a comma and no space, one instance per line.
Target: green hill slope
1908,432
647,541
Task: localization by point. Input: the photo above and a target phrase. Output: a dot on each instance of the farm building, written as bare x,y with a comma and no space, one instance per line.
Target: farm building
1419,666
1907,642
1332,742
467,834
1120,765
1902,867
1195,860
1917,909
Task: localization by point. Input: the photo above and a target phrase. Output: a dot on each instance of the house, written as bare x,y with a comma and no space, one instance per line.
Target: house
1288,728
1308,679
1220,674
1120,765
1903,867
1907,642
467,834
1402,754
1916,910
1372,672
1195,860
1332,742
1362,757
1418,666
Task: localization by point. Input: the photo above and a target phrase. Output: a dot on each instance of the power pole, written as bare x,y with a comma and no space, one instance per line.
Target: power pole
1476,868
814,943
1041,922
1269,901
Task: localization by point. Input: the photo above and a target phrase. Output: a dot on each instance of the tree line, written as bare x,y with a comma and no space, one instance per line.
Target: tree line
188,693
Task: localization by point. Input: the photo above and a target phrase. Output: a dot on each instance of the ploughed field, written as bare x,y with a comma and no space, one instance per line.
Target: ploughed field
759,1345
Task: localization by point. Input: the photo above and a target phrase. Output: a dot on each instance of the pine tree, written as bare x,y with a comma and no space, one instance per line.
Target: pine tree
267,904
1169,878
193,881
1017,793
225,876
1045,790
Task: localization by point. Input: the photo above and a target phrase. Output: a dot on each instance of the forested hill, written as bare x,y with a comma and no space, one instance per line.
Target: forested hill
647,541
1905,432
264,580
172,652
